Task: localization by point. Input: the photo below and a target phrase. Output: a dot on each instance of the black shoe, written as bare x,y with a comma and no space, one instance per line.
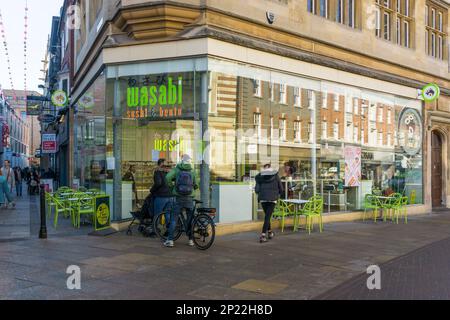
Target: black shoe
262,239
271,235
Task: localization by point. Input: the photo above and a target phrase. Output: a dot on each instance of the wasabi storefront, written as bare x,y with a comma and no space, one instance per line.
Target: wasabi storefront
338,140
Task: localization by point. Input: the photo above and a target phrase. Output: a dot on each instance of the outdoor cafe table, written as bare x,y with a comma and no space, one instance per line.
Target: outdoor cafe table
297,204
383,200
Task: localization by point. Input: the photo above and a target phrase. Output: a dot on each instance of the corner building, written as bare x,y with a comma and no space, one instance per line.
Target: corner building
310,85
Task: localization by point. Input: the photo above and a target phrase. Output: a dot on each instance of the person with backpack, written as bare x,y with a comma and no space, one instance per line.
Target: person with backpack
269,189
183,183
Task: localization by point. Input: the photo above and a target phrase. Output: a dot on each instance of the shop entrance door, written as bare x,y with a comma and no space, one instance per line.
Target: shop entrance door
436,169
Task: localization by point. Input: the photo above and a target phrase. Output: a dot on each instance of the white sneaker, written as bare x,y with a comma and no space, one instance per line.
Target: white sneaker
191,243
169,244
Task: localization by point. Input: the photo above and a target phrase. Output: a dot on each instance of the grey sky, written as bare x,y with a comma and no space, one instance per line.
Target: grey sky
40,15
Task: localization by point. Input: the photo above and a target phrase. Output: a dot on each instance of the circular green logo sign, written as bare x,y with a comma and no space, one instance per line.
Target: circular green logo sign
410,131
59,98
103,214
430,92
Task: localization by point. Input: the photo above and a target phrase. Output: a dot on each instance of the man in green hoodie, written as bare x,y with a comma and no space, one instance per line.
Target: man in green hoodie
182,181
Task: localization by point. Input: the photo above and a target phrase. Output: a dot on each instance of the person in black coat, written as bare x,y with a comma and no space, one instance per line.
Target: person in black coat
160,190
269,189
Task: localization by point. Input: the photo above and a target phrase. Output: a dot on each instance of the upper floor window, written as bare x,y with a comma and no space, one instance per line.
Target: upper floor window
324,130
323,8
356,106
336,102
257,88
435,30
297,97
341,11
257,123
283,95
297,131
394,21
271,91
324,100
311,100
336,131
283,129
312,6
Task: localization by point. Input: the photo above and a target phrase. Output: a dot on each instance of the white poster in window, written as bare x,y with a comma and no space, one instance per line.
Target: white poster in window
352,166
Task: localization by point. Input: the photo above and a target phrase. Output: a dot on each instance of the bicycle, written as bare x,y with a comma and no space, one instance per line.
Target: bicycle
203,226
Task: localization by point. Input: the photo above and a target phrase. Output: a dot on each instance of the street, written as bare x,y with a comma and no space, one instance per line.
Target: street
413,259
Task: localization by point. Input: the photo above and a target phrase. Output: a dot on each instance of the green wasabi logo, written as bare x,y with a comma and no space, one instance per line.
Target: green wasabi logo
151,96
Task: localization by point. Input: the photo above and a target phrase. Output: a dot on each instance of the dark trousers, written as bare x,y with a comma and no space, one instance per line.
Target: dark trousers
268,208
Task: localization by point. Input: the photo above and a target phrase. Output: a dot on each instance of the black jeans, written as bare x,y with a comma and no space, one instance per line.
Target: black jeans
268,208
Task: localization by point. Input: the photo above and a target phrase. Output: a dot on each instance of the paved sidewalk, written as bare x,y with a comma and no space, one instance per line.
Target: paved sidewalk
420,275
292,266
15,223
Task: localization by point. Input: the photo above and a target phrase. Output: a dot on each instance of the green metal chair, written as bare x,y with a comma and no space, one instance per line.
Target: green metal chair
60,207
49,204
371,202
390,205
401,209
312,209
397,207
85,206
63,194
283,210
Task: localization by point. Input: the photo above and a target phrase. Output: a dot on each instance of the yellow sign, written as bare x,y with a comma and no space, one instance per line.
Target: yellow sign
102,214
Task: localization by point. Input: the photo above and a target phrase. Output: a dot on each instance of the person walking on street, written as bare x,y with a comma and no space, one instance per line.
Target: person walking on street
269,189
160,191
5,193
8,173
183,183
18,181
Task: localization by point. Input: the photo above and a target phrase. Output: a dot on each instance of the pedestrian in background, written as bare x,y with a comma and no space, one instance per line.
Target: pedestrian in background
5,193
18,180
269,189
8,173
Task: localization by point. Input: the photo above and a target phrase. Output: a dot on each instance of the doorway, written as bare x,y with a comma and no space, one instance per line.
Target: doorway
436,169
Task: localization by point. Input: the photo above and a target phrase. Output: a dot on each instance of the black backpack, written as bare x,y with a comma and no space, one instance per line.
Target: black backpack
184,184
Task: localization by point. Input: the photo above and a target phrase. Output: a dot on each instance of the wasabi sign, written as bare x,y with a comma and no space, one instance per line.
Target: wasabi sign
163,100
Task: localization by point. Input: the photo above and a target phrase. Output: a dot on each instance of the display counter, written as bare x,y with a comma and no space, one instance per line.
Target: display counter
233,201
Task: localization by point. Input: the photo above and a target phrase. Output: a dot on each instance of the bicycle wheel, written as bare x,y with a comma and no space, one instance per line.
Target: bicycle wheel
161,227
204,231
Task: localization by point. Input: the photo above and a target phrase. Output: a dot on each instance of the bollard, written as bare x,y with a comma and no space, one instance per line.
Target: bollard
43,230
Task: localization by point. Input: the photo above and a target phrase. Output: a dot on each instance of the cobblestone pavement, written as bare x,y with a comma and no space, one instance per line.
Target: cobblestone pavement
292,266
